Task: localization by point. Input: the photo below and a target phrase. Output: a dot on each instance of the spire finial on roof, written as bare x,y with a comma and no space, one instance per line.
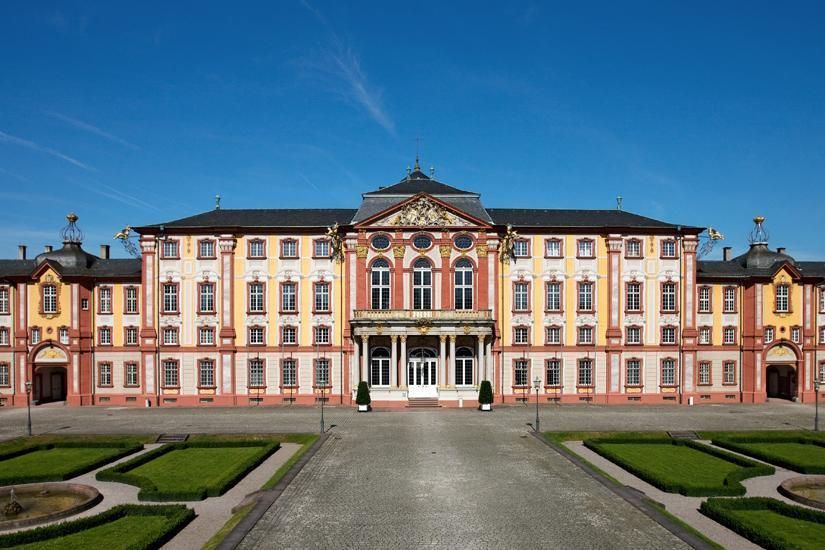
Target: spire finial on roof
758,235
217,202
417,146
618,202
71,233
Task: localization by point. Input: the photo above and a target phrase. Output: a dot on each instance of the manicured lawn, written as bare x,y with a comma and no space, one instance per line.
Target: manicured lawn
56,463
768,522
800,454
190,471
123,527
682,467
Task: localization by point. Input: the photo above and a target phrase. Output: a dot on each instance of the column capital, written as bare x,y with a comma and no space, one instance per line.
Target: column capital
443,337
393,338
403,338
481,337
452,338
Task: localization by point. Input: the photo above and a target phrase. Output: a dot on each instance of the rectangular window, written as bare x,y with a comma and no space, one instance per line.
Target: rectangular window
322,297
822,335
521,372
289,293
207,298
634,372
170,298
729,336
553,335
256,297
322,335
633,248
131,334
206,336
821,374
49,299
35,335
289,372
256,336
321,249
668,335
170,249
669,297
585,335
4,300
84,304
633,299
821,300
170,336
585,377
289,249
104,371
131,374
633,335
63,335
170,374
553,372
668,372
668,248
585,296
796,335
705,335
105,336
704,373
552,248
256,373
105,294
782,303
769,335
553,298
521,335
729,305
206,373
729,372
5,375
206,249
521,248
4,336
704,299
257,249
521,296
131,301
322,372
585,249
289,335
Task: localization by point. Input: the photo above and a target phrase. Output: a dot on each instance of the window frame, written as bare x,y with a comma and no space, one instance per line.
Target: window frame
415,236
5,336
674,374
524,253
582,241
639,374
204,384
164,310
109,374
709,330
725,364
580,330
126,300
699,300
520,306
5,374
249,298
787,298
704,368
294,330
293,364
521,329
627,340
628,255
640,297
381,293
201,287
316,243
163,252
131,329
261,361
284,285
250,329
317,293
250,245
724,334
169,330
316,330
5,300
316,382
662,286
548,341
108,291
559,372
464,293
174,363
521,365
590,382
424,291
580,285
205,241
668,241
206,330
768,334
107,330
662,339
547,286
558,241
126,374
796,334
730,306
43,299
284,244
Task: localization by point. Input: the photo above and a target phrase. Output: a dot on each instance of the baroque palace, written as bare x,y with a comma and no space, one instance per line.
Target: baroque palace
422,292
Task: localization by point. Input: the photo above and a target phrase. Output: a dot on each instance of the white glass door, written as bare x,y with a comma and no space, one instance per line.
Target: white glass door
421,377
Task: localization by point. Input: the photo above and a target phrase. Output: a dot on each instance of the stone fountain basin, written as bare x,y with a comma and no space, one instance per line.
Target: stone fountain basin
45,502
808,490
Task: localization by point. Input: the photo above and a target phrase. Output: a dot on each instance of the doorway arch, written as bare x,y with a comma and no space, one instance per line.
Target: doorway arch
50,366
781,371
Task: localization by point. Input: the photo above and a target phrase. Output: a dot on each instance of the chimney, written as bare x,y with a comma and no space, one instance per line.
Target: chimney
47,248
104,251
726,253
21,252
781,250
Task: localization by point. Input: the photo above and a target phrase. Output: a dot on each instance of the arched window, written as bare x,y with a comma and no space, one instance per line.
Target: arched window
464,284
380,284
422,285
380,367
463,367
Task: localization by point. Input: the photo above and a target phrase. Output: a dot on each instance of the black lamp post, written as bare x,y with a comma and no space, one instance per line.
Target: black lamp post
29,405
816,404
537,385
323,393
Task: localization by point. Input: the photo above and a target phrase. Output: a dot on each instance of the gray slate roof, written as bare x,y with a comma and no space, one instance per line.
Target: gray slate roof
758,262
73,261
419,182
259,217
542,217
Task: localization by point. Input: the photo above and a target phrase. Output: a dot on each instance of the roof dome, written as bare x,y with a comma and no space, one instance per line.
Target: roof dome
72,254
760,256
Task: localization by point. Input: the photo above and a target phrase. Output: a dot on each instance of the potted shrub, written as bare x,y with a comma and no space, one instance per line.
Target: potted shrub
485,396
362,398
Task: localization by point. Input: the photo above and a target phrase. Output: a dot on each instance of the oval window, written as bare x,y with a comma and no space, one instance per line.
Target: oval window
421,242
463,242
380,242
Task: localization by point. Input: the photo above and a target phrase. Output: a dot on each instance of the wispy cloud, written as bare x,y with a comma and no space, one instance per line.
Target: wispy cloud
18,177
117,195
86,127
341,63
14,140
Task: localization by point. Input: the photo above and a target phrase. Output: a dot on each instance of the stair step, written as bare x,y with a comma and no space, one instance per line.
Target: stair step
423,402
172,438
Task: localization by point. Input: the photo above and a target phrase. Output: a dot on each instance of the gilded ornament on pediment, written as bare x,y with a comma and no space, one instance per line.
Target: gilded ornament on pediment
423,212
423,325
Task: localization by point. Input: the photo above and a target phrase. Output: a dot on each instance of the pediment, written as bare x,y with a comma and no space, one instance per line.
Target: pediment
50,355
422,211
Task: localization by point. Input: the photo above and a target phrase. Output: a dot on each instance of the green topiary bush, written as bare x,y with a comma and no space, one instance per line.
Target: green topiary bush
363,395
485,393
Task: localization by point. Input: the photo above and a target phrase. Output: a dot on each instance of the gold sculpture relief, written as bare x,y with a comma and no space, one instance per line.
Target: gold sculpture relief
398,250
481,250
361,251
445,250
423,212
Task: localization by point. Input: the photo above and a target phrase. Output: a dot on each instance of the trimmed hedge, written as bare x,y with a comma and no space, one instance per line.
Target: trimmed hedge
363,395
148,489
719,510
731,484
485,393
737,444
177,516
126,450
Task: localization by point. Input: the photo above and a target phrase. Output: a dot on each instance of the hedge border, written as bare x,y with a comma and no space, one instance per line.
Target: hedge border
731,484
150,492
178,517
126,450
736,444
718,509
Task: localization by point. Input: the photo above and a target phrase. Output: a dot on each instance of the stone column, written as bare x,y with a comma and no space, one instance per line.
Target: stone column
451,375
442,361
403,381
394,362
356,356
365,352
479,362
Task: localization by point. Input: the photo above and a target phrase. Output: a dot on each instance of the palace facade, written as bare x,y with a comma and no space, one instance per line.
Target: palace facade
421,291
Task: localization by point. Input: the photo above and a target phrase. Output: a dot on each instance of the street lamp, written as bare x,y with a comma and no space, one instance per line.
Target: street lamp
323,392
29,405
816,404
537,385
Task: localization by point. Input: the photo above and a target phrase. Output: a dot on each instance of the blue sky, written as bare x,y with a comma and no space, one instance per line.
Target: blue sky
702,113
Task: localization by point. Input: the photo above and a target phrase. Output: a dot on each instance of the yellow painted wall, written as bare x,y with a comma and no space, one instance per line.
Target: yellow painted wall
778,320
52,321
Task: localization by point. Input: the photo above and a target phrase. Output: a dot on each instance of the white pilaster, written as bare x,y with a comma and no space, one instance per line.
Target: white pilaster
442,360
451,374
394,362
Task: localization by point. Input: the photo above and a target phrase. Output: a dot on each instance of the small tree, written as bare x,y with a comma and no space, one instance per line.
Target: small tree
485,393
363,395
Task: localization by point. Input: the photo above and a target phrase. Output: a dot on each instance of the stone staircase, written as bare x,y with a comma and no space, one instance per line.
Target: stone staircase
172,438
422,403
